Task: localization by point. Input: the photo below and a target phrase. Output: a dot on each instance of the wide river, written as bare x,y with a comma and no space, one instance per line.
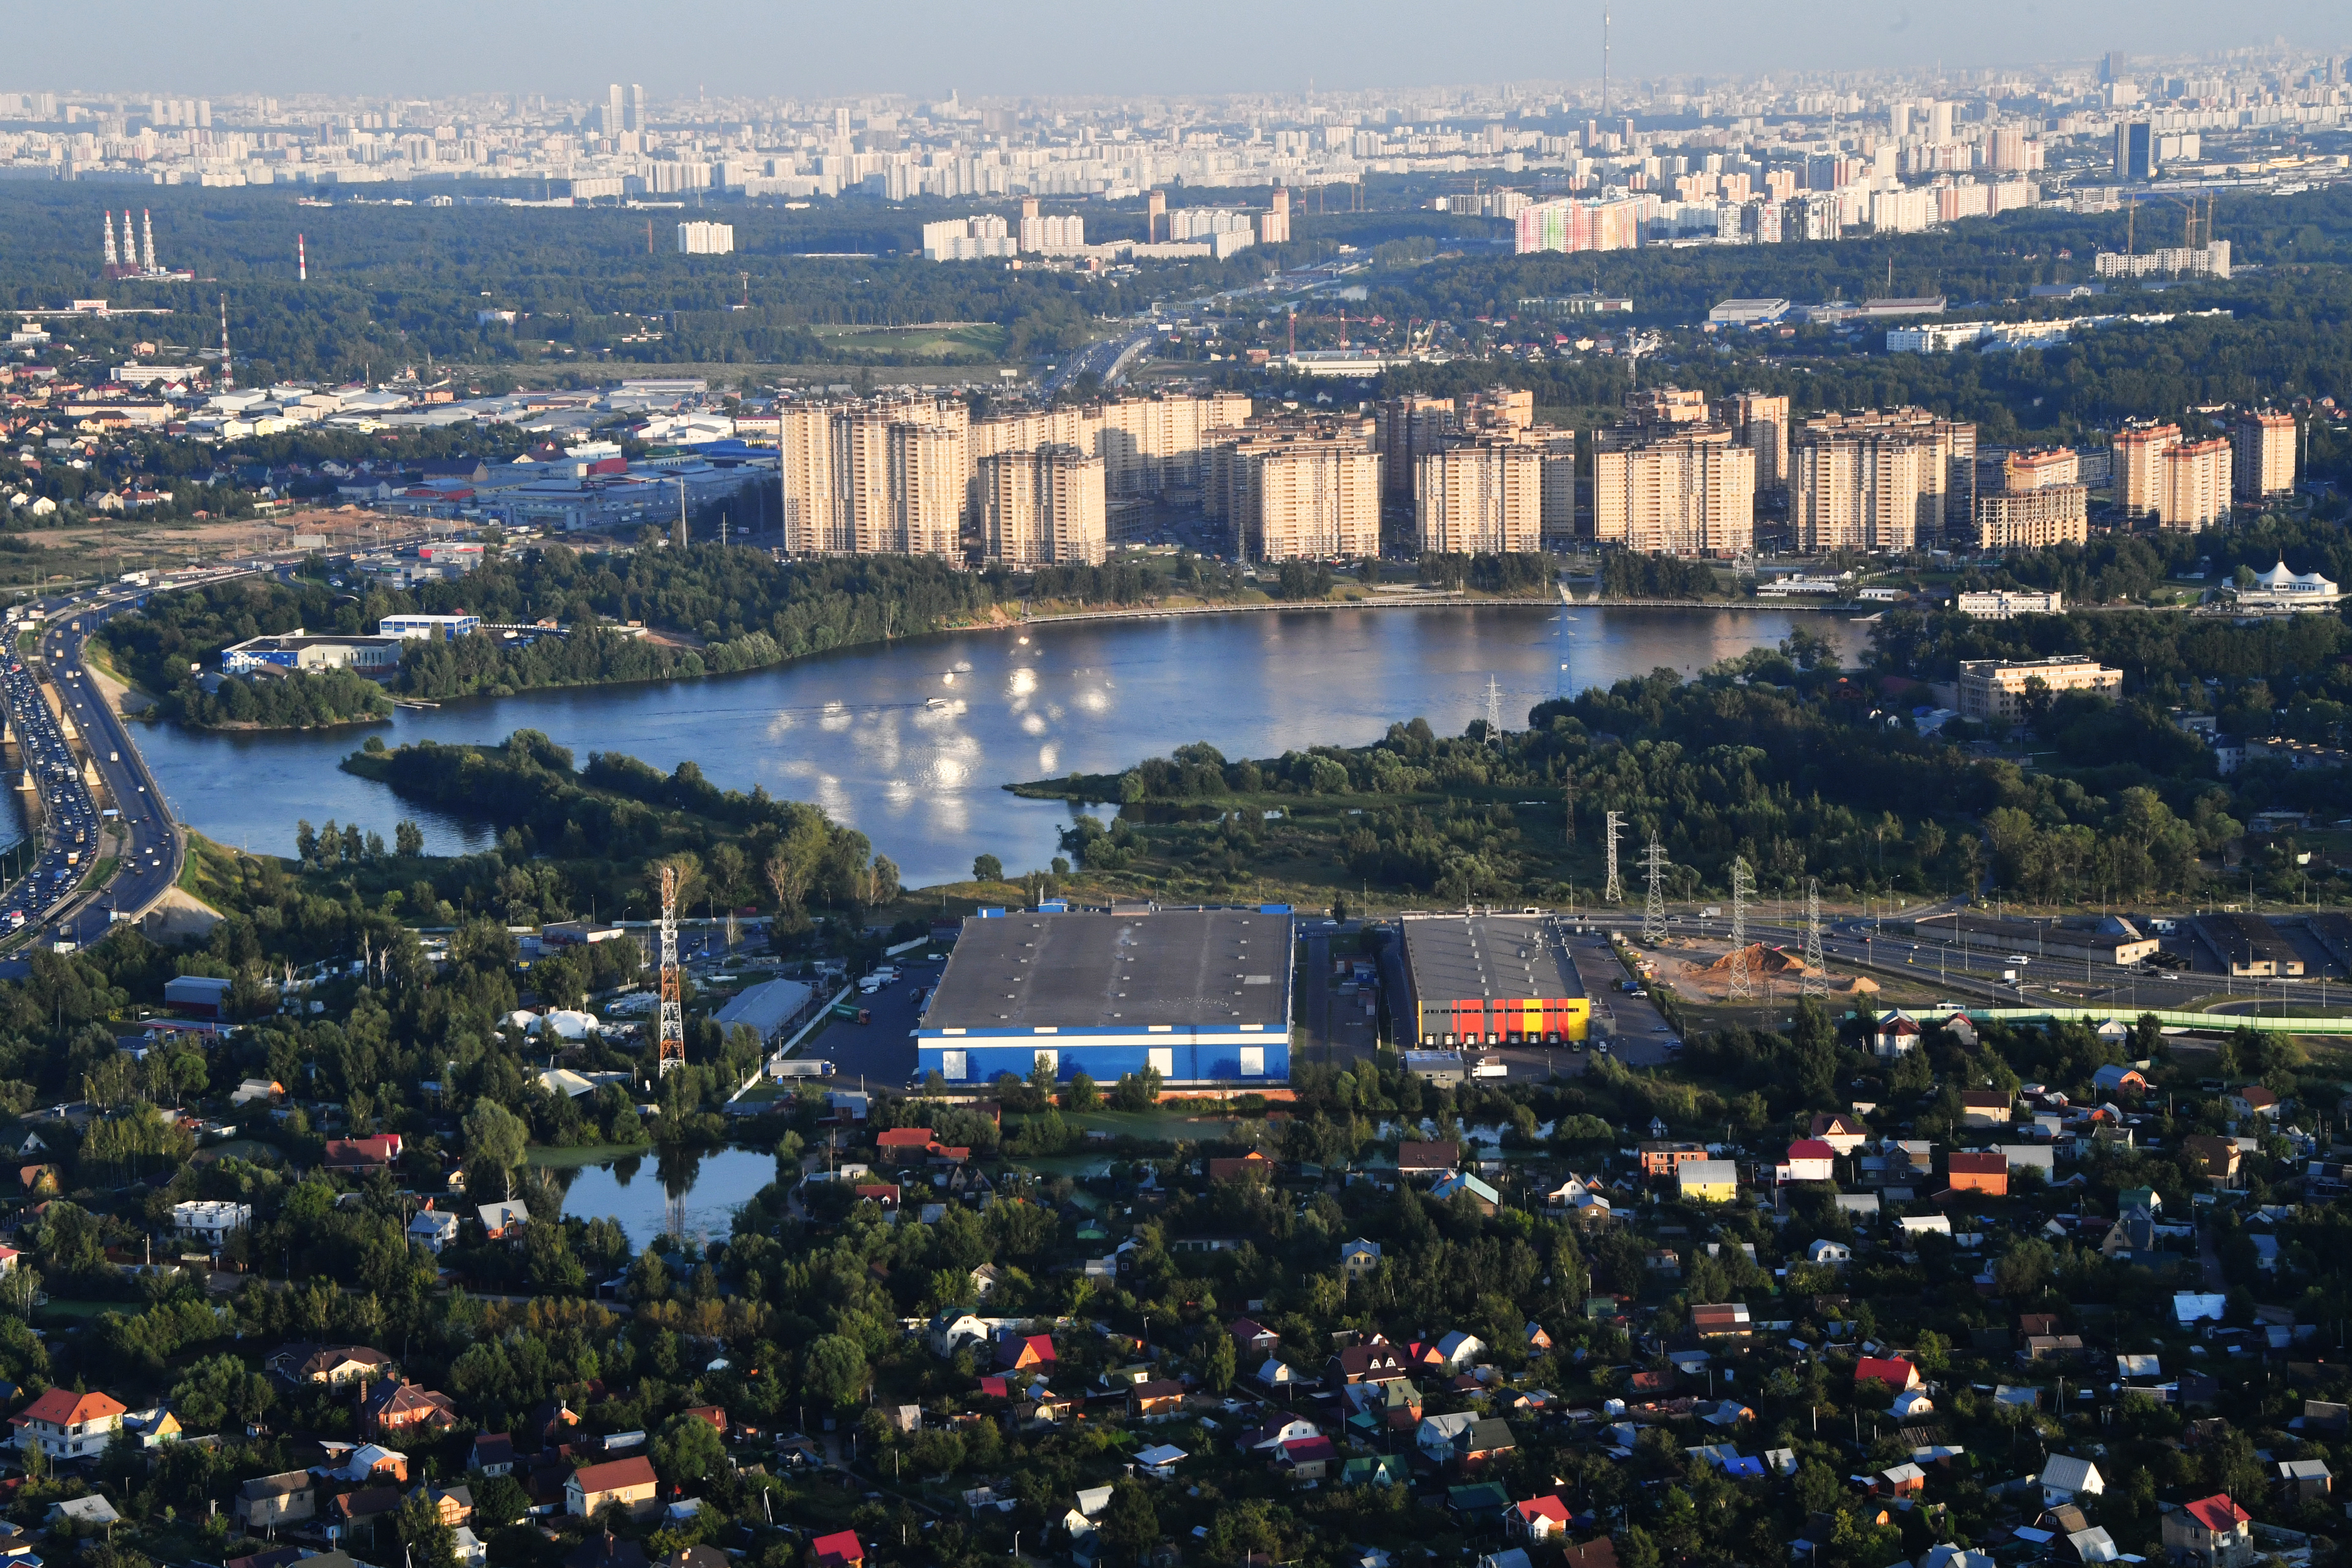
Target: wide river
912,742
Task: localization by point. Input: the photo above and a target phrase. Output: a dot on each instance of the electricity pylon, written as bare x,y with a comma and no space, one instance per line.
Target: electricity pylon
1616,891
1816,981
672,1048
1743,886
1654,912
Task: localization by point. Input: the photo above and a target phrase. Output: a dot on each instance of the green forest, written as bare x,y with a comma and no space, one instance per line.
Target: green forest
1773,757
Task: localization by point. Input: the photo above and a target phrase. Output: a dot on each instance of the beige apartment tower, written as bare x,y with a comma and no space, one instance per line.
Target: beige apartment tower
1691,492
1044,508
1306,499
2264,463
1480,498
1947,467
2139,452
881,478
2196,485
1857,490
2031,519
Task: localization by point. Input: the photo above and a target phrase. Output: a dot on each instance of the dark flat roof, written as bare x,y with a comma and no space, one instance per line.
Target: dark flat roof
1459,957
1073,971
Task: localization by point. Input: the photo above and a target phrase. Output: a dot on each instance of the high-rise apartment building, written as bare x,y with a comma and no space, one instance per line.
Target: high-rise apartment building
2135,154
2196,488
2032,518
1304,496
1864,479
1761,421
1152,445
1273,224
1576,225
614,114
1156,218
1857,489
706,239
633,113
2138,465
1478,498
1686,491
2264,463
1044,508
1053,236
1665,405
887,477
1406,429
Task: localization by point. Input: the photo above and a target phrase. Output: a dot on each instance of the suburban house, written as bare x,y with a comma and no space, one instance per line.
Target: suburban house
2307,1480
2116,1080
433,1228
333,1366
1842,1134
1984,1107
285,1498
394,1407
628,1482
1457,1348
1417,1158
1708,1182
1487,1440
1020,1353
2218,1157
501,1220
363,1156
2065,1478
1357,1258
1538,1518
1830,1253
493,1455
1252,1166
1896,1032
1893,1371
1723,1321
1987,1173
2211,1532
1252,1337
1810,1160
2252,1100
839,1550
68,1425
1375,1361
1662,1158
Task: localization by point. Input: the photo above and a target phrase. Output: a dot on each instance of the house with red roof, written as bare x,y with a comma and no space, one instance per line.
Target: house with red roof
899,1145
1538,1517
1893,1371
68,1425
2211,1532
1021,1353
1305,1459
363,1156
839,1550
1810,1160
390,1408
1987,1173
629,1483
1252,1337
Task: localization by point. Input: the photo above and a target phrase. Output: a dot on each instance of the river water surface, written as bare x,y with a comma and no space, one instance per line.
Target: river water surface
912,742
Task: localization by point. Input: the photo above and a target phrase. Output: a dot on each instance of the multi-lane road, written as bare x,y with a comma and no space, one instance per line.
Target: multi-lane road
145,847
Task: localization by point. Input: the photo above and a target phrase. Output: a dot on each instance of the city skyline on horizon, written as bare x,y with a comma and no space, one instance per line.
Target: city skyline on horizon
536,50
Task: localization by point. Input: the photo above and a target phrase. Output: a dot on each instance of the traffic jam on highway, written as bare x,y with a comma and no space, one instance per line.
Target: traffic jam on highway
73,820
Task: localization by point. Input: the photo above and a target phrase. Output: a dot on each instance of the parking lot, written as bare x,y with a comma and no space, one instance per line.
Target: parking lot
881,1054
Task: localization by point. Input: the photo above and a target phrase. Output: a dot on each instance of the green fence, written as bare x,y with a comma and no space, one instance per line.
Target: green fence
2219,1022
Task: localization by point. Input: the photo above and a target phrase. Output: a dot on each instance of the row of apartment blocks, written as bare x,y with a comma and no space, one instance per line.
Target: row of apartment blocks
2176,482
912,476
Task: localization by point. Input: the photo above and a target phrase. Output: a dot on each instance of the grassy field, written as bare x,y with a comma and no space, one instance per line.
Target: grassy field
948,341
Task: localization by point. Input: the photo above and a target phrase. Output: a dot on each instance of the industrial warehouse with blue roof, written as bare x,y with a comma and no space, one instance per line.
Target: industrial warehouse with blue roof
1200,997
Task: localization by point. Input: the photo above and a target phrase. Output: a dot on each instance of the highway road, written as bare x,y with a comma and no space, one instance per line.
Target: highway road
125,818
1105,359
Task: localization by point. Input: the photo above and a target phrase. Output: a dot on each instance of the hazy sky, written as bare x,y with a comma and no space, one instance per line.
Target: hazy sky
422,47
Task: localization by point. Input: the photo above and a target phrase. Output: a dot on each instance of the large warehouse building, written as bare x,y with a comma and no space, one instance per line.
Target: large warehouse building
1200,996
1491,980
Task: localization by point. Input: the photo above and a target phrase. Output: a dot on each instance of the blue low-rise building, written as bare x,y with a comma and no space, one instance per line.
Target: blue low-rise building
1200,997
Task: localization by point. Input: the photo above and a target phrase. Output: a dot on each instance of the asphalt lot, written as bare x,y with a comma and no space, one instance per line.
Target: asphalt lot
879,1055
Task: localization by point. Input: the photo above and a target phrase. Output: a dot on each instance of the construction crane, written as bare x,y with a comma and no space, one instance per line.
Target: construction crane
672,1048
